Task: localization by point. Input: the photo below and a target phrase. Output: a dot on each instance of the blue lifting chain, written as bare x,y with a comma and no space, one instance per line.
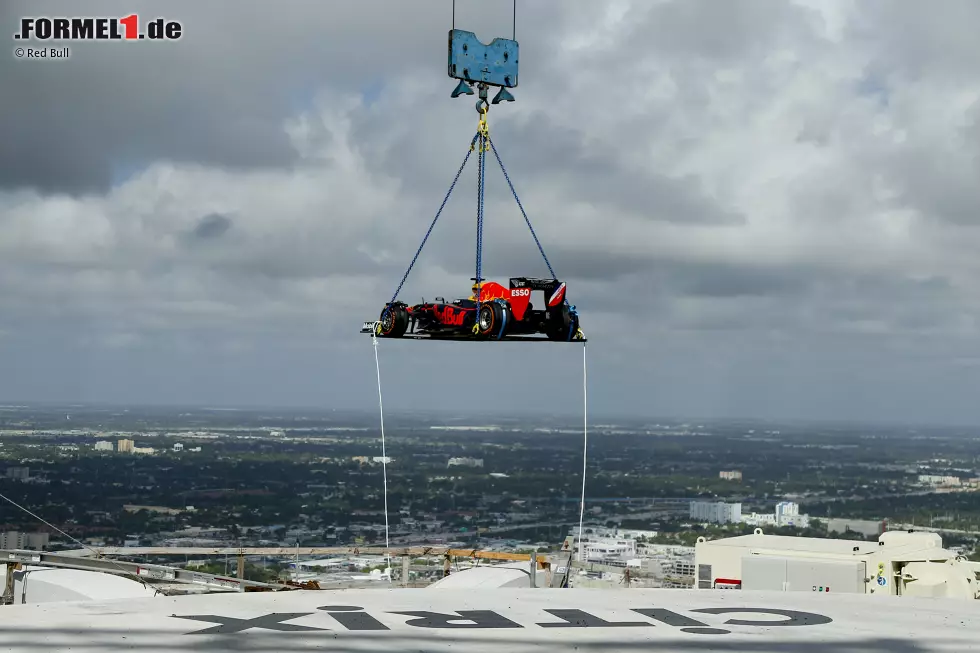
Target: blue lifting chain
482,143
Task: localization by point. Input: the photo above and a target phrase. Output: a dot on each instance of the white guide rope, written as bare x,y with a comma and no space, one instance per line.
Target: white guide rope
384,455
585,450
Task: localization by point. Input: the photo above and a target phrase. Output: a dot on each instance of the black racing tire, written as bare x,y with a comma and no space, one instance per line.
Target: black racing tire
394,322
491,320
562,324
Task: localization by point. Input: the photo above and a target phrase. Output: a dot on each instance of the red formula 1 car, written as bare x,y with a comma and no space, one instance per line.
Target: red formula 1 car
504,313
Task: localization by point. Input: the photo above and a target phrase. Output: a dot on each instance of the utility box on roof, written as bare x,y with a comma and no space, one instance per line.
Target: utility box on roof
899,563
783,574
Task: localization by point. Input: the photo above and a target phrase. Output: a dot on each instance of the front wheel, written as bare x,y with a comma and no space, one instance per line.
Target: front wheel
394,322
491,322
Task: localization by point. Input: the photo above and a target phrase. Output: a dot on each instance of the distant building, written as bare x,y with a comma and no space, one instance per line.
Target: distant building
103,445
144,450
759,519
16,540
787,513
160,510
679,567
178,447
382,459
931,479
19,473
465,462
716,512
606,546
610,550
125,446
637,533
733,475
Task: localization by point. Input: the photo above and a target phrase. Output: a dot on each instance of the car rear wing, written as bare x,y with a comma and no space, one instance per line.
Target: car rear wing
547,285
554,290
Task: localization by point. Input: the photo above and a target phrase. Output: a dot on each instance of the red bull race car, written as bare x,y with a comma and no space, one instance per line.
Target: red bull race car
502,313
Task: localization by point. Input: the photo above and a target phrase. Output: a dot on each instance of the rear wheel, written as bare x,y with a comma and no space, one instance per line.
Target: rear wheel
394,322
562,324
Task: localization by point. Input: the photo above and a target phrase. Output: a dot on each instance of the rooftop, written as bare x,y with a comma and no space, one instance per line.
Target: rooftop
907,544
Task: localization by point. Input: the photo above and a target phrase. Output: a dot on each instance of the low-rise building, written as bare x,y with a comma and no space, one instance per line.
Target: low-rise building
465,462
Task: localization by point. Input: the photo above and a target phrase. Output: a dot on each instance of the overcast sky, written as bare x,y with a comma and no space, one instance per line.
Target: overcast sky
762,208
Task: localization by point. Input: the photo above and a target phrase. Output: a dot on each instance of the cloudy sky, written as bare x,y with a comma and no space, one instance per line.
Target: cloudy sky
762,208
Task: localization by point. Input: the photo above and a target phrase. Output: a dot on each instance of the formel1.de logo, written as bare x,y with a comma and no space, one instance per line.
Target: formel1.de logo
126,28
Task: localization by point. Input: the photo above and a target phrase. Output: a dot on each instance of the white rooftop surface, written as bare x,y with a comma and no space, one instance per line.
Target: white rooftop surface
894,541
46,585
495,576
375,621
792,543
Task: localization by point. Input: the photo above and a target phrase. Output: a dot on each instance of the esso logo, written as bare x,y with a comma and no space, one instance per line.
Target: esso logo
520,292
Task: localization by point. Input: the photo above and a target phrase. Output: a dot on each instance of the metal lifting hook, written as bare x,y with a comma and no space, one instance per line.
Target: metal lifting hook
482,106
482,142
482,126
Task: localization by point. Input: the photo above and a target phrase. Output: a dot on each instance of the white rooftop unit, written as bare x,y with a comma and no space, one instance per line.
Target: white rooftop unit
492,576
899,563
46,585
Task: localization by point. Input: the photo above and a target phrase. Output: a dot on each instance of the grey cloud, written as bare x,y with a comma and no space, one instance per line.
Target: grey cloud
211,226
916,41
751,217
725,31
941,185
721,280
216,97
538,151
673,277
596,173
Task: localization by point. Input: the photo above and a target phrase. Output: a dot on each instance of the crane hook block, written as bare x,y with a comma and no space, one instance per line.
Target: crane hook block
472,61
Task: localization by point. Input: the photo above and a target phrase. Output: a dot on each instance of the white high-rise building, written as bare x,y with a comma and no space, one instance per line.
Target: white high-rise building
17,540
788,514
716,512
786,510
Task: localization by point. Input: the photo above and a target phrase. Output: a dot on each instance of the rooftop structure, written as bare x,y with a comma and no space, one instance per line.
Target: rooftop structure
900,563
